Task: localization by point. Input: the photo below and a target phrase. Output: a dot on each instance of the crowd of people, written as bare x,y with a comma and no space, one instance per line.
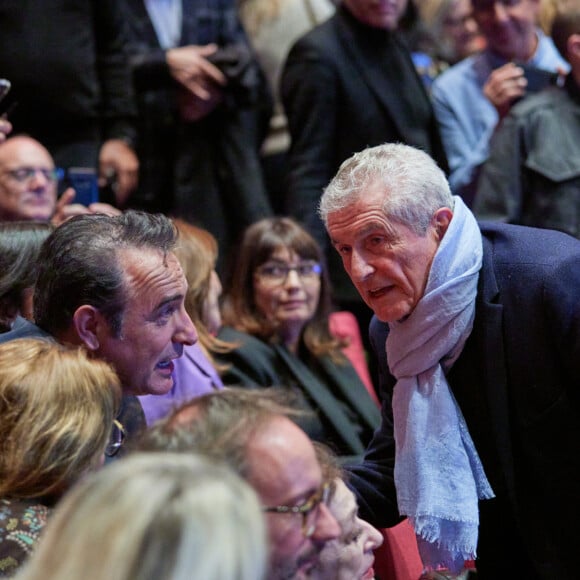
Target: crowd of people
327,283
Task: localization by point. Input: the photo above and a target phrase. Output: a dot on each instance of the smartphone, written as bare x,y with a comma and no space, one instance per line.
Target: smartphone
538,78
84,180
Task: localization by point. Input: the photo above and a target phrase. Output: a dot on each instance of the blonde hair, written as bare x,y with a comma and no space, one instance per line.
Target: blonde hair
155,516
197,252
56,413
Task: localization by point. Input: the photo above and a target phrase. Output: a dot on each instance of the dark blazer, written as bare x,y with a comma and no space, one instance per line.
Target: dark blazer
346,86
517,383
346,414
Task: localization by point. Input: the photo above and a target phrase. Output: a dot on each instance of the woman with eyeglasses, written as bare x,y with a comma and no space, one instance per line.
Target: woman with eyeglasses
57,408
277,309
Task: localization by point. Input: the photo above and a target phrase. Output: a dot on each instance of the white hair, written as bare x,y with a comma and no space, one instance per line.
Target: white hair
414,186
155,516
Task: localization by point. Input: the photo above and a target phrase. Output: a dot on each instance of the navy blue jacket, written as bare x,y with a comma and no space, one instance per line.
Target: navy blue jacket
517,383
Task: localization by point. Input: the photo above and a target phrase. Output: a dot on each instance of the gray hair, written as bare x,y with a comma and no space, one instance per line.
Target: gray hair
414,186
152,516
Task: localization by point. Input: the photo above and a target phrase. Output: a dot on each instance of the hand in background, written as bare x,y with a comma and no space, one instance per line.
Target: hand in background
65,208
189,66
118,158
504,85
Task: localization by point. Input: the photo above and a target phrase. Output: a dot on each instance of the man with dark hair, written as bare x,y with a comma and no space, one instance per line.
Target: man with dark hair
252,432
113,285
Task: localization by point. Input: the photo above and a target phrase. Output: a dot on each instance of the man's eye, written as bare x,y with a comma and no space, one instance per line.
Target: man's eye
343,249
166,313
354,536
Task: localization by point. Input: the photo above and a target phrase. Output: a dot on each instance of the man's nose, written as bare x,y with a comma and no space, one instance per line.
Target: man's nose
185,333
327,528
359,266
39,180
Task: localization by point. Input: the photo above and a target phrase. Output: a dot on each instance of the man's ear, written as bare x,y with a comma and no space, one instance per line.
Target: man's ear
441,220
88,323
573,47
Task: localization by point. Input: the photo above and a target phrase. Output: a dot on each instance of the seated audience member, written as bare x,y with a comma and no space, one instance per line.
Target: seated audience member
155,516
253,434
194,373
20,244
452,24
28,185
113,285
472,97
532,176
350,556
277,311
56,412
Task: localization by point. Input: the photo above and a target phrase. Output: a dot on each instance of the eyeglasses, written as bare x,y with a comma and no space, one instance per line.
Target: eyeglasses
309,509
116,440
23,174
275,274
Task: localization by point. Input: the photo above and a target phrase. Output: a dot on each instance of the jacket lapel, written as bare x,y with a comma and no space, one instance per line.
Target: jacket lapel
491,313
324,400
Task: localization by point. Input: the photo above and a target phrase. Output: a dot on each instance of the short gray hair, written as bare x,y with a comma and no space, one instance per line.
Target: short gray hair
414,186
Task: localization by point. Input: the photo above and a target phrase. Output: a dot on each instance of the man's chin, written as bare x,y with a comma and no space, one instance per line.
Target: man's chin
160,385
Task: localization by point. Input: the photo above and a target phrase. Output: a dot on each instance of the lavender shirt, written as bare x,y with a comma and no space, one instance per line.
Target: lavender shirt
193,376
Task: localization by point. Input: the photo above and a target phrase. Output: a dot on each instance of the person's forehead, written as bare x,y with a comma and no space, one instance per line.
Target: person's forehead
283,462
149,269
343,504
24,151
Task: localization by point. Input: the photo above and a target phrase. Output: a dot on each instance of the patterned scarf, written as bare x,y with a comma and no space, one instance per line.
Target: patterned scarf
438,474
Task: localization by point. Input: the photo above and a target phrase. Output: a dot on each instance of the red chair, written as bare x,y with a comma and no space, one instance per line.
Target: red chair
398,558
343,324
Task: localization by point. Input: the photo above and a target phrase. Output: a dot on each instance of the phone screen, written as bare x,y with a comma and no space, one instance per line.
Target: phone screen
538,79
85,183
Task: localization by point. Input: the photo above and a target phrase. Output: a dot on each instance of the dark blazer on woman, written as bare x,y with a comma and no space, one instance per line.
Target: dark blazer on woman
346,416
517,383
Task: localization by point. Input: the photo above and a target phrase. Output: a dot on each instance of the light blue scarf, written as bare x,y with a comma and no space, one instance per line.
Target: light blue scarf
438,474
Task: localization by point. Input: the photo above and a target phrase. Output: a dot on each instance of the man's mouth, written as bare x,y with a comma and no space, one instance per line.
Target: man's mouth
378,292
165,366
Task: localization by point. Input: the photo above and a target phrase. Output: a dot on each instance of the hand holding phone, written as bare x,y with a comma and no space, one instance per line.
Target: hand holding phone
538,78
85,183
